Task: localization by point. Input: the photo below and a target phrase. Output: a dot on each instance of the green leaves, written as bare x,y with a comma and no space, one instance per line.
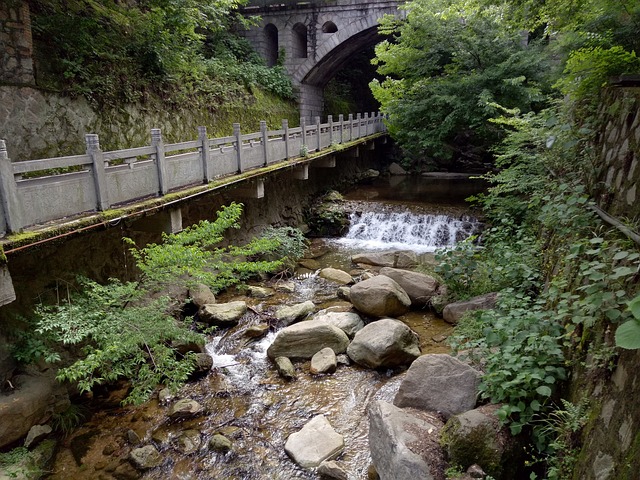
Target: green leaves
628,334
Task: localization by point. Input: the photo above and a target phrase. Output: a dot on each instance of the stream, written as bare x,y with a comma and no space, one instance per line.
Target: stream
244,397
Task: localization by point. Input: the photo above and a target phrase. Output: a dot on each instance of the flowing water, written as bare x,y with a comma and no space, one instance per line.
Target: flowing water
243,396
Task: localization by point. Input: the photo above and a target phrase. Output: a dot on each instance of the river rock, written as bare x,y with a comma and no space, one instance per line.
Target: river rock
36,434
204,362
305,339
315,443
290,314
285,286
32,402
285,368
324,362
201,295
404,444
185,407
344,293
419,287
439,383
260,292
145,457
257,331
393,258
478,437
223,314
331,469
220,443
189,441
385,343
336,275
349,322
453,312
380,296
395,169
309,263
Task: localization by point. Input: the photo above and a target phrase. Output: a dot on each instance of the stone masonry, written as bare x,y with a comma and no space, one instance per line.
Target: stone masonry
16,46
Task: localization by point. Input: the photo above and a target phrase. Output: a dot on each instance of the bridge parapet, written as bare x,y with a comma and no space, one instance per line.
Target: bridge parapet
35,192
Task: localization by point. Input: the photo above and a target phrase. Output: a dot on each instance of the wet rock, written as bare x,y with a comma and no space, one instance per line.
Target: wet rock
439,383
343,359
36,434
145,457
132,437
204,362
453,312
201,295
257,331
290,314
420,287
305,339
315,443
385,343
124,471
223,314
185,407
285,368
404,444
309,263
165,395
477,437
220,443
189,441
260,292
184,347
392,258
336,275
344,293
395,169
316,250
380,296
285,286
324,362
370,173
331,469
349,322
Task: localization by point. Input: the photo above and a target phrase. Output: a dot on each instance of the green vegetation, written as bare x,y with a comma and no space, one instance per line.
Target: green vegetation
124,330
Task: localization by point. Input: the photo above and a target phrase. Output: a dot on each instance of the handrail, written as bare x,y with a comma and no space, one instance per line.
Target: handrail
102,180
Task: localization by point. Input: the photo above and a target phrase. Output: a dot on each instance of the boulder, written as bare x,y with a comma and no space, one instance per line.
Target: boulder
304,340
309,263
290,314
201,295
439,383
335,275
453,312
344,293
392,258
395,169
478,437
285,286
204,362
331,469
349,322
260,292
220,443
315,443
385,343
188,442
419,287
257,331
185,407
404,444
285,368
36,434
223,314
145,457
324,362
380,296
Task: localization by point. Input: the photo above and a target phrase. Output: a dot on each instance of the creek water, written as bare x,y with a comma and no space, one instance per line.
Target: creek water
243,396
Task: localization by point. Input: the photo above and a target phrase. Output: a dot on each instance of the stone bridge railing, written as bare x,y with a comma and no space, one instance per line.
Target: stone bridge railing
35,192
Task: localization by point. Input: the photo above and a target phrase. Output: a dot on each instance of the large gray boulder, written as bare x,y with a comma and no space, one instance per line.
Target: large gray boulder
384,343
478,437
349,322
439,383
305,339
315,443
380,296
404,444
335,275
394,258
453,312
419,287
223,314
290,314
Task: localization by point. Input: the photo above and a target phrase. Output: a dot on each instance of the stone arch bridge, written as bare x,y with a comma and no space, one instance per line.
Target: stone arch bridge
316,38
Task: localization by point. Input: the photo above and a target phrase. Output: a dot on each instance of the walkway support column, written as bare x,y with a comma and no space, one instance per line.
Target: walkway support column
9,192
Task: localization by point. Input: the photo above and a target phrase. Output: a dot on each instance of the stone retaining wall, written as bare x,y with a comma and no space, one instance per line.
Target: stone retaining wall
16,46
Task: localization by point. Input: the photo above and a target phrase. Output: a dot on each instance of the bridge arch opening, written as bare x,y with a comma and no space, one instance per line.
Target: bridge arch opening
329,27
271,44
299,41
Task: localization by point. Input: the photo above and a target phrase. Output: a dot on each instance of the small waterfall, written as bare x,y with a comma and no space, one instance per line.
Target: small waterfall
406,230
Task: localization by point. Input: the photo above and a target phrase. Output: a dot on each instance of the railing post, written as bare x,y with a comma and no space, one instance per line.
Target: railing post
350,127
303,125
285,127
359,120
156,141
265,141
366,124
330,122
9,191
205,152
92,142
341,120
318,133
237,134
